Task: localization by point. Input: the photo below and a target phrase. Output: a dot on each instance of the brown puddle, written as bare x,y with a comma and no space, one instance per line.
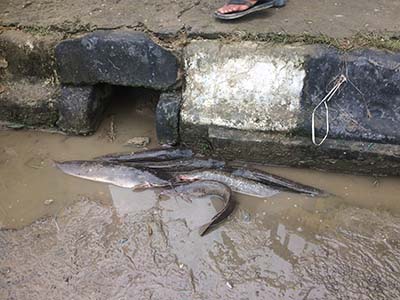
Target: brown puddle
30,185
105,242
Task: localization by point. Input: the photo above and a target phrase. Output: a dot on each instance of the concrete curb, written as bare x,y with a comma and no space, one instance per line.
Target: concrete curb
296,151
247,100
261,87
261,98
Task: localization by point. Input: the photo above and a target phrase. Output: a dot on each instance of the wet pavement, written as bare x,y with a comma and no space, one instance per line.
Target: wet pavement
67,238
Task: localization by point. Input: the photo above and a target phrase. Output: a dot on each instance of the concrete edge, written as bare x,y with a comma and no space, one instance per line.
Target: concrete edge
280,150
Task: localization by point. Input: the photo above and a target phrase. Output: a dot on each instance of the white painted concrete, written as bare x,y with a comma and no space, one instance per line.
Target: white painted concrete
244,85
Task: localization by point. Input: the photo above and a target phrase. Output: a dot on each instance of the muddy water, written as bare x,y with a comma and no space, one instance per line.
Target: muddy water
30,185
94,241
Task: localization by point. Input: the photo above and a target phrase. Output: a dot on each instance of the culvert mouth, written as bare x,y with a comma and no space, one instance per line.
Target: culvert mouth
88,65
129,116
84,108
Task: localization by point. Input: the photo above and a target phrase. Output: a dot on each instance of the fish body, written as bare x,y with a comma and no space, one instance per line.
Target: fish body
180,165
277,182
119,175
236,183
207,187
153,155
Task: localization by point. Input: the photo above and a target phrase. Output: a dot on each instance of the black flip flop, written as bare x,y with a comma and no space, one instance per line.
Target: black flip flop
260,5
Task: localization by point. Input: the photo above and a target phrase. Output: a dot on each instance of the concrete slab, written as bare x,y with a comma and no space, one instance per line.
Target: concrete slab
245,85
340,18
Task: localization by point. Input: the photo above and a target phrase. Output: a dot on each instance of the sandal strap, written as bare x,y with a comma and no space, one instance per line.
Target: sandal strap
241,2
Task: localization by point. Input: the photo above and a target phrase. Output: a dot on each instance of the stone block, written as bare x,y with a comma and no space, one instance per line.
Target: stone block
367,107
167,118
117,58
81,108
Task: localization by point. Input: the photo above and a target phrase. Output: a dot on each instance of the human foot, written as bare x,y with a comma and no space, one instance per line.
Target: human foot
235,9
236,6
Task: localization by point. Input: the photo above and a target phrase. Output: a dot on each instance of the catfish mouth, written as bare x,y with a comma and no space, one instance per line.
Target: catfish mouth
186,178
149,185
143,186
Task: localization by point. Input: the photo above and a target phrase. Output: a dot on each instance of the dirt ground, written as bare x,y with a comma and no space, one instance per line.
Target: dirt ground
340,18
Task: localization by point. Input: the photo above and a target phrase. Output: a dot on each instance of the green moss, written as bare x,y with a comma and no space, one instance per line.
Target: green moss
388,41
359,40
67,28
37,30
376,41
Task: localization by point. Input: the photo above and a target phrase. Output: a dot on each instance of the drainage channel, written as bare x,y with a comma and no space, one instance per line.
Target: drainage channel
32,187
85,236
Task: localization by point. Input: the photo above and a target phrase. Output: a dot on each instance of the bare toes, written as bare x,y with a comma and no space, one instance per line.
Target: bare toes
230,8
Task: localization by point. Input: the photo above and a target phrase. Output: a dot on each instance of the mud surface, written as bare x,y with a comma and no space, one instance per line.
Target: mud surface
93,241
318,17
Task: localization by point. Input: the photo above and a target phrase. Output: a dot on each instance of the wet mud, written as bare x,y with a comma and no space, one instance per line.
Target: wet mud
95,251
66,238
